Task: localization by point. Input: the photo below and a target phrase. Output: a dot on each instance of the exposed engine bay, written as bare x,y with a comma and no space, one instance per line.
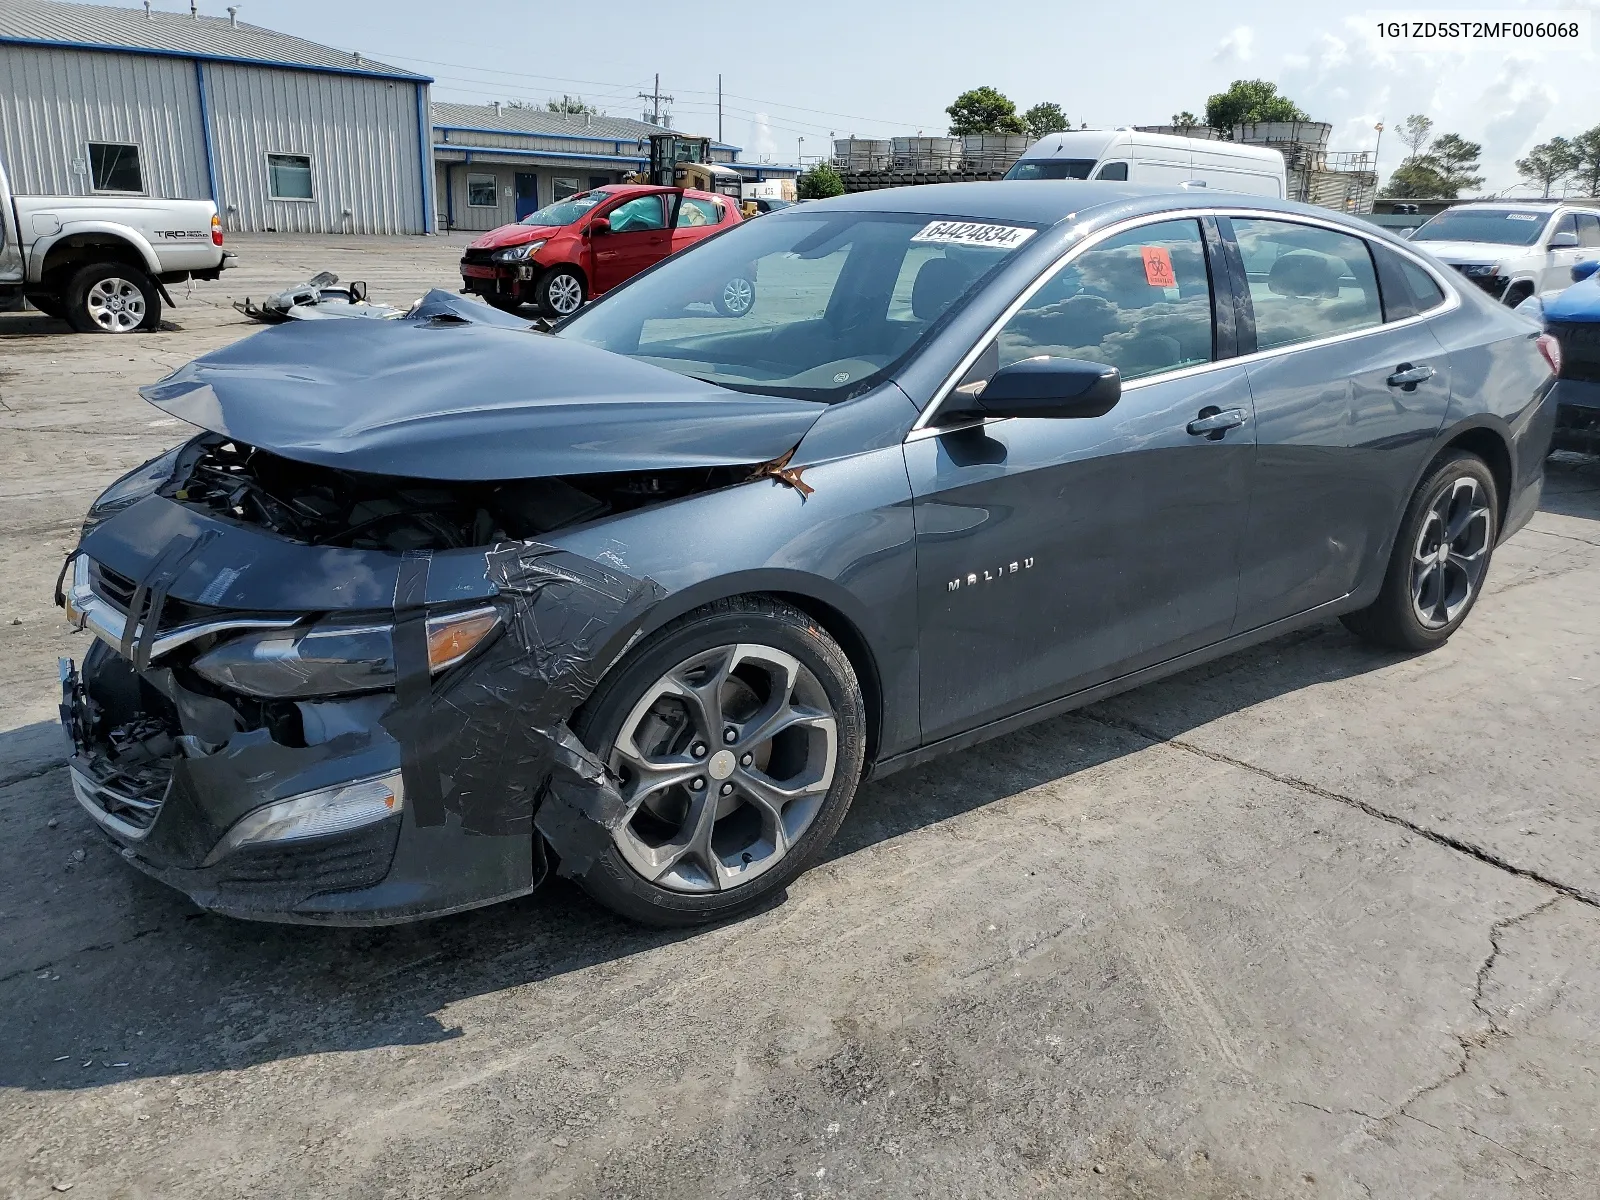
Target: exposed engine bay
324,506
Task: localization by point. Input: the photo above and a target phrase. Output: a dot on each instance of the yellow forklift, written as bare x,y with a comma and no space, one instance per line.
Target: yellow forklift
677,160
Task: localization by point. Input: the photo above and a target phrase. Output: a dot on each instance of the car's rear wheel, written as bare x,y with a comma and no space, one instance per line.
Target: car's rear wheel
560,292
737,297
737,735
112,298
1440,558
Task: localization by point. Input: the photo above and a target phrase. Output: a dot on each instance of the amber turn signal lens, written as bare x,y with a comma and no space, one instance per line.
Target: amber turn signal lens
451,638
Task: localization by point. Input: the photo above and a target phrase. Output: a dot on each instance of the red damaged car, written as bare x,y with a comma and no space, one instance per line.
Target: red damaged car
575,249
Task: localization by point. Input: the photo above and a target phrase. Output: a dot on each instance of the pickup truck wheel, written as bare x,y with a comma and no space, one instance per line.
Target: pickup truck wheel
112,298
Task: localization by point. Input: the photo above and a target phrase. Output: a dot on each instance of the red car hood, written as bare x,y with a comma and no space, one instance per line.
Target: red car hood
513,235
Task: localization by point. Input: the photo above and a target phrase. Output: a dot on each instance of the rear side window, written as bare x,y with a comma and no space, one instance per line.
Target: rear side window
1408,290
1140,301
1306,282
693,213
1588,230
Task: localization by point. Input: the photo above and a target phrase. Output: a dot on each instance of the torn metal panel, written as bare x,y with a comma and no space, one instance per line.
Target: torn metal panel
446,396
318,298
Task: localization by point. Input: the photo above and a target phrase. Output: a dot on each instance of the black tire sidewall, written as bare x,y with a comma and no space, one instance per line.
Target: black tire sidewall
542,292
76,302
611,880
1395,621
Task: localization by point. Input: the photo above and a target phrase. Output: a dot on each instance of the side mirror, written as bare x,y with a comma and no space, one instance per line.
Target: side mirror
1406,233
1047,387
598,226
1562,241
358,291
1585,269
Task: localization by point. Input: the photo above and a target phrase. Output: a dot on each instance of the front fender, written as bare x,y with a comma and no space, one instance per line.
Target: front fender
125,233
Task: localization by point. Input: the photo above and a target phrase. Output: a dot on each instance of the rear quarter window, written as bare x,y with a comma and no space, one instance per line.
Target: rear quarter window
1408,290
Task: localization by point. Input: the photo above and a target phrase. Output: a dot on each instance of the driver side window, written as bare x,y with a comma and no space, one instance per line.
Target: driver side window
642,212
1140,301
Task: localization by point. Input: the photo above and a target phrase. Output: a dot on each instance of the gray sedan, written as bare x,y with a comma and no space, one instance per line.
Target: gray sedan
435,606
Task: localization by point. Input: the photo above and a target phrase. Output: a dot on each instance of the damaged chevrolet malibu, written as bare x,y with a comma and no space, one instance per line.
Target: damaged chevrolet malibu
433,607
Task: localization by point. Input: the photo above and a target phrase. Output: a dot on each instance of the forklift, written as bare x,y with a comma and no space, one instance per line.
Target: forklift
677,160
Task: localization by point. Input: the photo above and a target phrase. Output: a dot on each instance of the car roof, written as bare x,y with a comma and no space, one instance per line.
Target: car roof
1529,205
1052,201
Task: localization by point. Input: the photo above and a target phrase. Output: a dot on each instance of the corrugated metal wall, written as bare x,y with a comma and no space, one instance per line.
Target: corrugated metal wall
505,210
360,134
54,102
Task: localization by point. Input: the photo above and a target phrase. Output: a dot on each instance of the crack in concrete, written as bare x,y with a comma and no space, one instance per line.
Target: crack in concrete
96,948
8,780
1460,845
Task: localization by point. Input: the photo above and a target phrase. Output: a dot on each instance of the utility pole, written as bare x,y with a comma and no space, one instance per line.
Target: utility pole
655,98
719,106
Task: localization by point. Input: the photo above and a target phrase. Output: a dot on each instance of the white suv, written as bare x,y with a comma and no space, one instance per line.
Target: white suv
1513,249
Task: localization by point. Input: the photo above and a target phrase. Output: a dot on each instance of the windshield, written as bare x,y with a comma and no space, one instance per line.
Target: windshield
813,304
1051,168
565,212
1504,227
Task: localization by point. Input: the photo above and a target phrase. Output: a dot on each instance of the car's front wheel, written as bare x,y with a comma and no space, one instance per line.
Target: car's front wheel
560,292
1440,558
737,736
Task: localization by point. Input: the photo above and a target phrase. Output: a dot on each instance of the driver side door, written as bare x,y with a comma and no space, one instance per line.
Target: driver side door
1054,554
639,238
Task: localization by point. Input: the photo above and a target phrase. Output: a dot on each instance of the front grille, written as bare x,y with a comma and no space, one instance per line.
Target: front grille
117,589
479,257
1580,349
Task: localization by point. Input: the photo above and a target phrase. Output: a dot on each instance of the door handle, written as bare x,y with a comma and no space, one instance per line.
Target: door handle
1213,422
1406,376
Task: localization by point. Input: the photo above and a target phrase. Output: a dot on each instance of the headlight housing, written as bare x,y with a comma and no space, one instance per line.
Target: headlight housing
522,253
133,487
336,657
321,813
1480,270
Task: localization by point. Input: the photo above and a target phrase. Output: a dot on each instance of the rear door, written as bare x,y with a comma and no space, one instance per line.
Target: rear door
1346,404
639,238
1054,554
698,217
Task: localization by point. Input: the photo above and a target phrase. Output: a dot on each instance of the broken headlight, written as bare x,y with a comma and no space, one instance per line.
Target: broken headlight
331,658
522,253
133,487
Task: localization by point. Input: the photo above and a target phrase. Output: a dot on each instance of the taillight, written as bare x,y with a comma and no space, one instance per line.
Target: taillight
1551,349
216,230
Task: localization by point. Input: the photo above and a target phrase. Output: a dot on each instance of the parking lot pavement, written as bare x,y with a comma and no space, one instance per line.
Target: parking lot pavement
1310,921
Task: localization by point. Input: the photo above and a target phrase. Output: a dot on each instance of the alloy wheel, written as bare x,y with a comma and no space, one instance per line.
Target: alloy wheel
116,305
566,294
737,296
725,762
1451,554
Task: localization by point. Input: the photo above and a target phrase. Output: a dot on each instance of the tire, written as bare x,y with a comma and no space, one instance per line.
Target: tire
641,711
1517,293
112,298
1431,583
561,292
737,297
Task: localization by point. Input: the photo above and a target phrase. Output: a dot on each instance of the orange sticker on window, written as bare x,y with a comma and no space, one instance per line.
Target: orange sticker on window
1158,267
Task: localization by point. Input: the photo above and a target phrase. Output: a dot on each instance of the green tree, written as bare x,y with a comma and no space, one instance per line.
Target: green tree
1185,120
1548,163
1456,160
1587,175
984,110
571,104
1414,133
1045,117
818,183
1250,100
1416,178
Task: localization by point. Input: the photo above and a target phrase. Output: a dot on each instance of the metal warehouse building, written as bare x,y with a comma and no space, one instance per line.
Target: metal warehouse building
285,135
496,163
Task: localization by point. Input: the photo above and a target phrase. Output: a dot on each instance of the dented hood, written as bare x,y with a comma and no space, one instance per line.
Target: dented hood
444,395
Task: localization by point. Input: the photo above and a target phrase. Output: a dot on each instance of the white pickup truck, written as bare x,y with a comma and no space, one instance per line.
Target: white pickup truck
103,262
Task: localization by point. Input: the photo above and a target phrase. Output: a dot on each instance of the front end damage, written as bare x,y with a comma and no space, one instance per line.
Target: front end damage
385,750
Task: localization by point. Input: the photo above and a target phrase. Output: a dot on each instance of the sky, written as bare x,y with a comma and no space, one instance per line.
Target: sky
827,68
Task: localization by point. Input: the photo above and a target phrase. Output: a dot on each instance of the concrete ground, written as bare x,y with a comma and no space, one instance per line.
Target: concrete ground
1313,921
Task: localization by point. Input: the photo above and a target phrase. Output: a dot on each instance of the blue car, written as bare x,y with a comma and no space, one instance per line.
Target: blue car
434,606
1572,317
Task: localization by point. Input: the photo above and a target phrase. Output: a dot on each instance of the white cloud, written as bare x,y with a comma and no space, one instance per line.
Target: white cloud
1236,47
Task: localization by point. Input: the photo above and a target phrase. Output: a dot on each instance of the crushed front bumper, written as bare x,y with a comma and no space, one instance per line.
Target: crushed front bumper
1577,416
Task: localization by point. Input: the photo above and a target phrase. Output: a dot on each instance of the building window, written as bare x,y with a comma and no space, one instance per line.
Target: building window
481,192
289,176
564,186
114,167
